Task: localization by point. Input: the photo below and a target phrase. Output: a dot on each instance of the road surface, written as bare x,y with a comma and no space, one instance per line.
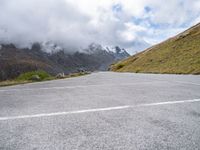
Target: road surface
102,110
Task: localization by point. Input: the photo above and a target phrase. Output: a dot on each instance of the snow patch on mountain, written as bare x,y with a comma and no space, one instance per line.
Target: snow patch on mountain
94,48
50,47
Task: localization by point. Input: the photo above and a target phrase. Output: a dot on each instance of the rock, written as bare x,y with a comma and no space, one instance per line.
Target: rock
81,70
35,78
60,76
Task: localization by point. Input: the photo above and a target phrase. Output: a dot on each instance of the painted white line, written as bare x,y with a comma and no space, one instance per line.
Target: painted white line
63,113
187,83
170,102
73,87
96,110
85,86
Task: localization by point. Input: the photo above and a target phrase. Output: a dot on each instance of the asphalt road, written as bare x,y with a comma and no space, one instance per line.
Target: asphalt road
102,111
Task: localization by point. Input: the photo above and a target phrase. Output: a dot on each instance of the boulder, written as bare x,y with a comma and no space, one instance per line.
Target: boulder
60,76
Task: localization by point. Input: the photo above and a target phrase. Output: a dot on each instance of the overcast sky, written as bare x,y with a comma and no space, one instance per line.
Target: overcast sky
131,24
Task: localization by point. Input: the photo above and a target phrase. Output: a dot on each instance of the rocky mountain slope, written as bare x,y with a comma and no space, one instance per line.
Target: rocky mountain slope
54,59
178,55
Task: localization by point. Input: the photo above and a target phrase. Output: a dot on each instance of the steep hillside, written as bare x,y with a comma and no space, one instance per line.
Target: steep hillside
178,55
14,61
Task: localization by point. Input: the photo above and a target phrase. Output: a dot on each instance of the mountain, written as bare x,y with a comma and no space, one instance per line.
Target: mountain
117,52
54,59
177,55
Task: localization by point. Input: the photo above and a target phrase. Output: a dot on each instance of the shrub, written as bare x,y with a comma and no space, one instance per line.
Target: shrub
29,75
120,66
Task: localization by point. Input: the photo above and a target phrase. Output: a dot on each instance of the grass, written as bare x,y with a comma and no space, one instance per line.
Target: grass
177,55
12,82
44,76
28,76
120,66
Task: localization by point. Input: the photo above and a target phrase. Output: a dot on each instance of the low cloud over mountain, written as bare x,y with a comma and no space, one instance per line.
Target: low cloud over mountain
54,59
74,24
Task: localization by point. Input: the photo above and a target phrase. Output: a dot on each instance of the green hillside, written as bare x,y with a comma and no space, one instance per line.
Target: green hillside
177,55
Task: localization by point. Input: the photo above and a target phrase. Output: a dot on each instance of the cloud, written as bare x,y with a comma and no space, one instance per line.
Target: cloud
132,24
25,22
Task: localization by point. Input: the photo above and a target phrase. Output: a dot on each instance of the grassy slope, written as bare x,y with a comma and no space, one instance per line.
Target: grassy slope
26,78
179,55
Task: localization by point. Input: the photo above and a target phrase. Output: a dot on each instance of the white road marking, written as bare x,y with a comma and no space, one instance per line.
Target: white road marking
182,82
97,85
187,83
171,102
63,113
97,110
73,87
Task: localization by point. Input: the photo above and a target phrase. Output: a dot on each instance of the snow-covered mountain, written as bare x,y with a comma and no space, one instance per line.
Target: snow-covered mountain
116,51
